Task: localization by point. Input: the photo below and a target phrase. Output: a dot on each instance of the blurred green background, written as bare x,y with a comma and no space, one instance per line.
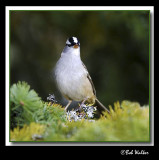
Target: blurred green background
114,47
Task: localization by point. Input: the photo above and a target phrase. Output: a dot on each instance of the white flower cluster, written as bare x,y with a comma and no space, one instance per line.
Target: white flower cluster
37,137
51,98
84,112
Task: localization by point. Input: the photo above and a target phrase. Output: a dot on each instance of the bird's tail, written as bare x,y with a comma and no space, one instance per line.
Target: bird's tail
100,106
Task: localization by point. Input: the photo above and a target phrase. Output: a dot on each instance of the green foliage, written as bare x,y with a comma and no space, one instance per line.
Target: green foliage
127,122
28,133
24,103
27,107
49,114
34,120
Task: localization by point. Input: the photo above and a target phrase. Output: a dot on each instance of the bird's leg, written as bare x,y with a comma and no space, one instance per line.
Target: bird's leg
69,102
83,102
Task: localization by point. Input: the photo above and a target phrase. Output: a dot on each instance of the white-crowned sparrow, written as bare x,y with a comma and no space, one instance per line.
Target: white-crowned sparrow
72,77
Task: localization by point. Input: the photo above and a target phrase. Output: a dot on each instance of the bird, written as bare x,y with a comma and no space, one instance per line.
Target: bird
72,77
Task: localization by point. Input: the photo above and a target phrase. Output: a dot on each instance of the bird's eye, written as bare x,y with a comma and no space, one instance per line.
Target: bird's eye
68,45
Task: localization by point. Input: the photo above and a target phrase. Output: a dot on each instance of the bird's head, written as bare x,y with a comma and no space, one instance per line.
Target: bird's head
73,42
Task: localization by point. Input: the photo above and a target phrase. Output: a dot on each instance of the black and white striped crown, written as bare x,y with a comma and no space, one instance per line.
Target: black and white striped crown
72,41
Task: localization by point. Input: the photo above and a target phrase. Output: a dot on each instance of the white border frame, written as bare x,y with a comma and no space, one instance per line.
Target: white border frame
8,8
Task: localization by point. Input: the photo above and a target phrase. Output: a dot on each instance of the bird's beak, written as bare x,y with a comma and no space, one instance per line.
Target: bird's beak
76,46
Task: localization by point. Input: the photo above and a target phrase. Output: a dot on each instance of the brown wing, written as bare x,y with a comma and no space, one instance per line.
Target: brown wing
88,76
